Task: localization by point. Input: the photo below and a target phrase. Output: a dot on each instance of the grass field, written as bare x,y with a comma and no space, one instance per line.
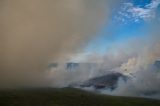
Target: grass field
67,97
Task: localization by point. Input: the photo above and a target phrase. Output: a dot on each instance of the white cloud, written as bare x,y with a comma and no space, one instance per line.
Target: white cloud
136,13
141,13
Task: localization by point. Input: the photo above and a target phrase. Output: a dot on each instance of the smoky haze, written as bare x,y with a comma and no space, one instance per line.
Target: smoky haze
35,33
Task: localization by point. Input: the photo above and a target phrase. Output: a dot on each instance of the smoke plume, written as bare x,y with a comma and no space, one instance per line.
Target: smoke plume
36,32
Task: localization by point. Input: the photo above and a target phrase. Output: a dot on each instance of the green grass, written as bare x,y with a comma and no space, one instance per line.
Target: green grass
67,97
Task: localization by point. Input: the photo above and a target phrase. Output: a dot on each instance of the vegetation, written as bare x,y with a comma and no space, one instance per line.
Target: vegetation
67,97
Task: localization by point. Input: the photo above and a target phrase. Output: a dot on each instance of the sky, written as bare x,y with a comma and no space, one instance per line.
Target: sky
129,20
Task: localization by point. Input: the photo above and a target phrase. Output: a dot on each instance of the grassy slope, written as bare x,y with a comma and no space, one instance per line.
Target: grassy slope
67,97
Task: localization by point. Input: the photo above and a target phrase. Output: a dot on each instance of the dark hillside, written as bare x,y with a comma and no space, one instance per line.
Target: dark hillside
67,97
